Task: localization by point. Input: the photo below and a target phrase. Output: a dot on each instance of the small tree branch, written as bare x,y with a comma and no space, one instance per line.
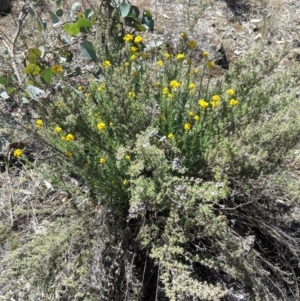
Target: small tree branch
11,45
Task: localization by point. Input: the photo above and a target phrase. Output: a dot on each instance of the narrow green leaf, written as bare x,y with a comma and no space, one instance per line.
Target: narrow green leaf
3,81
147,14
63,39
87,50
53,17
46,75
31,10
41,25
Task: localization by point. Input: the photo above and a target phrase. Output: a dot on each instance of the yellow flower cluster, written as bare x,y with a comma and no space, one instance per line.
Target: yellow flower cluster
170,136
128,37
18,153
39,123
233,102
58,129
102,160
204,54
175,84
159,63
131,94
203,104
192,86
106,64
70,137
101,126
180,57
230,92
68,153
167,55
133,57
210,64
133,49
165,91
138,39
192,44
187,126
215,101
56,68
184,35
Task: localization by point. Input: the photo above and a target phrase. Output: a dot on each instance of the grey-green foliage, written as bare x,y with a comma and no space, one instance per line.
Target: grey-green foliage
184,221
53,263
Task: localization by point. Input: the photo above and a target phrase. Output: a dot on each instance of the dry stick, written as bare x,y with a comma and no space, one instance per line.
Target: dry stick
11,48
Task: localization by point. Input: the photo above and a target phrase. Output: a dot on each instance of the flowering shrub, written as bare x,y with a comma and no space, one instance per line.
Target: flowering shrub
156,140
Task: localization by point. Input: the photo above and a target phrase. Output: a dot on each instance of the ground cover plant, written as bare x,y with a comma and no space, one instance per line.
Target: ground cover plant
169,163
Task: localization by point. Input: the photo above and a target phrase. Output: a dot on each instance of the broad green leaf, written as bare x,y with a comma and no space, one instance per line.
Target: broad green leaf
34,55
139,27
4,95
34,92
148,22
134,12
59,12
42,49
87,50
58,3
46,75
11,90
71,29
113,3
83,23
24,100
53,17
124,9
88,13
32,69
3,81
75,6
129,21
